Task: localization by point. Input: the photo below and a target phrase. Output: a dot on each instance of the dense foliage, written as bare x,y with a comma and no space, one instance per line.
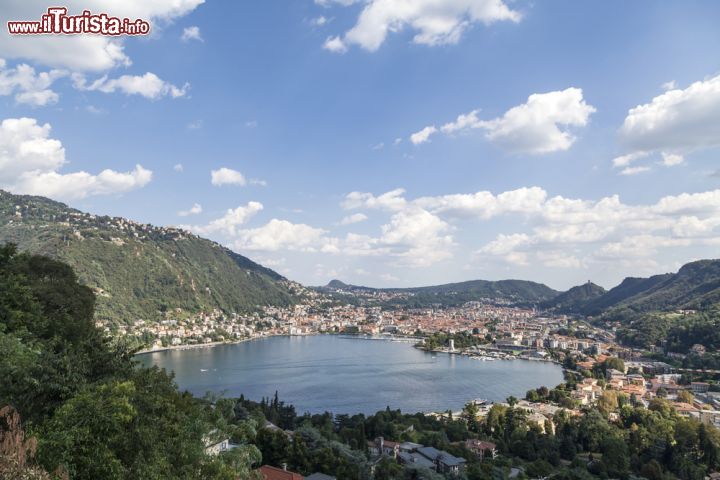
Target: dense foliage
673,331
92,413
574,299
619,439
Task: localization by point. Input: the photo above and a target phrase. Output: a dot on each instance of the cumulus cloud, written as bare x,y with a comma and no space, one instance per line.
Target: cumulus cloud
417,237
194,210
29,87
354,218
84,52
392,200
556,232
627,171
30,162
595,231
485,205
335,44
148,85
191,33
228,224
540,125
675,123
227,176
423,135
284,235
433,22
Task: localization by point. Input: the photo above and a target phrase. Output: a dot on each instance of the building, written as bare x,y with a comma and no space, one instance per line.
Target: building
272,473
382,447
414,458
700,387
216,443
320,476
443,461
481,448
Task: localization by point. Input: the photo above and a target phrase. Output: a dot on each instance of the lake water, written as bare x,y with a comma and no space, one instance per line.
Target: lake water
350,375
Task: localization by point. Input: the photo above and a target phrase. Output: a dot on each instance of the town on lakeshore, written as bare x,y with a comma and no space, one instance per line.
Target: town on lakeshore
486,330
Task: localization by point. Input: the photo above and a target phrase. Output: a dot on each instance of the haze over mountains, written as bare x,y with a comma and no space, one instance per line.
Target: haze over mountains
140,271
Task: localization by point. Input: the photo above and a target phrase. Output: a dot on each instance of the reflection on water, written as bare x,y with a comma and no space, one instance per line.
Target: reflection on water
346,375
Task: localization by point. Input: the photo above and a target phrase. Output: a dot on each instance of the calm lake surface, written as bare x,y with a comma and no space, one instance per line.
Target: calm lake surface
349,375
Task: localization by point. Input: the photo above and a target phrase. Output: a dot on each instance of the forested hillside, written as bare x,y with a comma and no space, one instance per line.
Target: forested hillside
87,411
139,271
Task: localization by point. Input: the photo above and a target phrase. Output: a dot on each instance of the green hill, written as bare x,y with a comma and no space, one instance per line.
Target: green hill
576,298
139,271
453,294
696,286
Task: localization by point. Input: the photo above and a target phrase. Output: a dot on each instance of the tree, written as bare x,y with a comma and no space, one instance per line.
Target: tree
685,396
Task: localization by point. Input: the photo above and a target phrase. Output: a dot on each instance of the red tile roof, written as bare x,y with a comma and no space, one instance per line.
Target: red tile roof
273,473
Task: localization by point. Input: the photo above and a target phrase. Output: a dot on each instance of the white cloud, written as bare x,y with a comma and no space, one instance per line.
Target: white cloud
283,235
194,210
627,159
319,21
81,184
672,159
556,232
433,22
587,231
676,122
671,85
536,126
392,200
178,167
149,86
29,87
463,121
191,33
485,205
423,135
559,259
335,44
227,176
627,171
228,224
541,125
417,237
354,218
30,162
84,52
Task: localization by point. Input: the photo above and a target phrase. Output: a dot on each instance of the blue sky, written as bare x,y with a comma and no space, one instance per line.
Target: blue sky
304,102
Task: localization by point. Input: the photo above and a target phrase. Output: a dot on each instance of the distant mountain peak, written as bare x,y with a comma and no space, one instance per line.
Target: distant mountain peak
335,283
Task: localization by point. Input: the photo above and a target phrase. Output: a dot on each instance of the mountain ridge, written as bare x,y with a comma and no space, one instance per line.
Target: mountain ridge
517,291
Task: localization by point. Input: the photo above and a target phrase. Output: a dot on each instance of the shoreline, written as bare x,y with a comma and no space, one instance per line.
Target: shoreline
145,351
395,338
198,345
